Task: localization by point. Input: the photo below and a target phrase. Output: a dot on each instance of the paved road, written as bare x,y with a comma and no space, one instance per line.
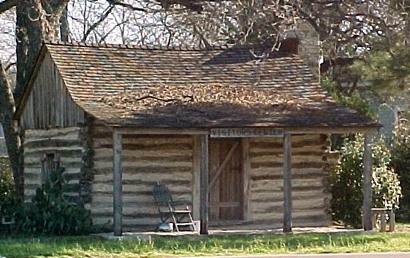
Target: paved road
355,255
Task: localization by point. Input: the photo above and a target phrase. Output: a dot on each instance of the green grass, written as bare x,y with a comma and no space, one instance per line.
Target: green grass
86,246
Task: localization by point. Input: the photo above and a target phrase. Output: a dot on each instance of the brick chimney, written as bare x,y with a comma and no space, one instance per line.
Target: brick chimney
289,45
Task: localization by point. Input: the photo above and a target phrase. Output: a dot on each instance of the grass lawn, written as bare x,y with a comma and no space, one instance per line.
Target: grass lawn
87,246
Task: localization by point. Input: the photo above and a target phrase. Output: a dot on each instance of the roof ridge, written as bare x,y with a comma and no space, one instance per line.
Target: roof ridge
151,46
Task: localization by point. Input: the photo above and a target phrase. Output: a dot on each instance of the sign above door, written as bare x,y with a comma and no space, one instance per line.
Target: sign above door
245,132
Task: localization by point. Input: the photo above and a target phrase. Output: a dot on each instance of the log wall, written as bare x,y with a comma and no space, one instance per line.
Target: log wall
148,158
70,145
145,160
49,104
310,184
87,157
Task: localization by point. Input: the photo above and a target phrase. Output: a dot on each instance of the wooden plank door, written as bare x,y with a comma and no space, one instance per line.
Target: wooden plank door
226,179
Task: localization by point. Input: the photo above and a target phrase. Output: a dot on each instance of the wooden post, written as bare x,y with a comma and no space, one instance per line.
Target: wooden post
287,184
367,183
117,182
204,184
246,177
196,177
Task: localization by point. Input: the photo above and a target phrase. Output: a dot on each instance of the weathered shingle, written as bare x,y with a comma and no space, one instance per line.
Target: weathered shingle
239,86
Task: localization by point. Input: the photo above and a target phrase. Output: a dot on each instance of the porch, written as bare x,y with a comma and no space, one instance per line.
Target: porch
203,180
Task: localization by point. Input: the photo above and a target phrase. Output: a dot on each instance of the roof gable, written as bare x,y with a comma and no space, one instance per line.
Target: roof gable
46,102
239,86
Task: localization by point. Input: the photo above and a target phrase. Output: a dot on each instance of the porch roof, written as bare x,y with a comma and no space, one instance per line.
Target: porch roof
242,86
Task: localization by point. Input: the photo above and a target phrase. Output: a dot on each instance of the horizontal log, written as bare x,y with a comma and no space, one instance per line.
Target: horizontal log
143,140
140,163
295,158
32,176
107,154
315,137
265,185
101,209
312,175
101,132
267,171
173,176
35,155
266,198
139,197
308,205
313,182
150,171
32,185
52,149
167,146
264,175
144,165
267,213
101,198
60,143
268,164
139,187
168,159
63,133
263,146
274,153
307,192
70,168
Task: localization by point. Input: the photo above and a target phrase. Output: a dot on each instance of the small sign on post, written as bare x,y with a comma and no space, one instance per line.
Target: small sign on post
245,132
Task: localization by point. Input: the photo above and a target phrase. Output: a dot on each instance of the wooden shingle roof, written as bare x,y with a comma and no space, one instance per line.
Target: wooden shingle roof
244,86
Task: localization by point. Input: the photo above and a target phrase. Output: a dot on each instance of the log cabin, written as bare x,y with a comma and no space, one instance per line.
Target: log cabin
239,132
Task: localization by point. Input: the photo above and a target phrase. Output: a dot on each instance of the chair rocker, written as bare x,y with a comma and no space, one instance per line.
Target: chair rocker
180,218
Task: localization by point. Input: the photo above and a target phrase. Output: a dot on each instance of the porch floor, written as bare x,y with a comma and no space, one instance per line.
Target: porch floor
147,235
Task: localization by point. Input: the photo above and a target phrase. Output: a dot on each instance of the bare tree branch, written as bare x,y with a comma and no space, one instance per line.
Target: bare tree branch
200,34
102,18
9,66
129,6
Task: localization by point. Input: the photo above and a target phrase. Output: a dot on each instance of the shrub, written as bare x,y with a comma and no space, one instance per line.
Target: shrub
51,213
347,181
7,193
401,164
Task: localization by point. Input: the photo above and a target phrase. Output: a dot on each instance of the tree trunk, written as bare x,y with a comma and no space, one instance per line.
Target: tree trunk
35,22
29,40
11,132
64,26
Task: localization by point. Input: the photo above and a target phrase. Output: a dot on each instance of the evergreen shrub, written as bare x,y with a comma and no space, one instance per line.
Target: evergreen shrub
51,213
401,164
7,192
347,181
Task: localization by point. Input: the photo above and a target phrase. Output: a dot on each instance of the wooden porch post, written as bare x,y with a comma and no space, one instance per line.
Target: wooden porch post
246,177
287,184
196,177
367,182
204,178
117,182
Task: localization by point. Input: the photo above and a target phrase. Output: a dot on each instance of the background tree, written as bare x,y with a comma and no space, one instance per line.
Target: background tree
387,66
35,21
346,29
